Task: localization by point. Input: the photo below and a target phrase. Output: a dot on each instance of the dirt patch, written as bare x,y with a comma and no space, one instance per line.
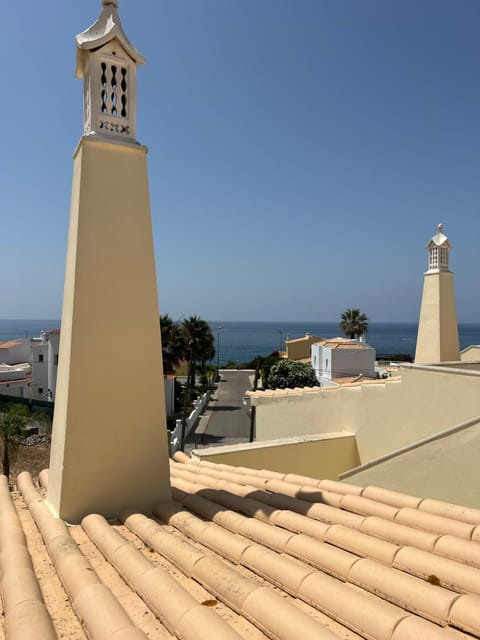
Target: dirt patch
32,458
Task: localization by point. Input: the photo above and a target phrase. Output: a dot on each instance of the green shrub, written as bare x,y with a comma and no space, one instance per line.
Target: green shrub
288,374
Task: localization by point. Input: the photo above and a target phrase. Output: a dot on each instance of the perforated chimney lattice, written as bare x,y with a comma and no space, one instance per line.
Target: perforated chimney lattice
113,95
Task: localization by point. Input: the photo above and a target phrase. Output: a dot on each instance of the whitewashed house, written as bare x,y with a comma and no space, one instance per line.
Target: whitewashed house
15,370
336,359
45,365
15,351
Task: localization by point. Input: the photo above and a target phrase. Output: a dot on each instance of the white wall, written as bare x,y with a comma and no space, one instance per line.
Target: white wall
53,348
352,362
329,362
15,388
17,353
40,370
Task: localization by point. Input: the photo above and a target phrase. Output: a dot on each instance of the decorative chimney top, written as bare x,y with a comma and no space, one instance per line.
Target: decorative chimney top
438,249
107,61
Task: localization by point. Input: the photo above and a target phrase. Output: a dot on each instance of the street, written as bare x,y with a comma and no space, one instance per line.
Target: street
225,420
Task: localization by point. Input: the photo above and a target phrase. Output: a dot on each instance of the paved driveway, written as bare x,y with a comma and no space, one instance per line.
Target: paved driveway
225,420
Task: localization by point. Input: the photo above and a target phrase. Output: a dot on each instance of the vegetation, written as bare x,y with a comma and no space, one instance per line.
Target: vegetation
12,421
265,366
288,374
191,341
353,323
173,347
199,345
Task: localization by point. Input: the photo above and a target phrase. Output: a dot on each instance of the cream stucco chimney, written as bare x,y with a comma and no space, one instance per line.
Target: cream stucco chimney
109,442
437,339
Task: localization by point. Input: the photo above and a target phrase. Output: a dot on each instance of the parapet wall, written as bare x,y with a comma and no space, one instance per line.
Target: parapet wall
322,457
444,467
384,416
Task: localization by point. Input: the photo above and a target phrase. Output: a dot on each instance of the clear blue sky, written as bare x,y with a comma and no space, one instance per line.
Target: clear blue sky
301,155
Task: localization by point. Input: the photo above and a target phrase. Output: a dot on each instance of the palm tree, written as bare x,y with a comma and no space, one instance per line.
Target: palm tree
199,347
353,323
12,422
199,344
173,348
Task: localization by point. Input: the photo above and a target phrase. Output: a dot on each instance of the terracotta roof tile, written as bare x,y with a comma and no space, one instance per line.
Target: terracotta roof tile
10,343
278,556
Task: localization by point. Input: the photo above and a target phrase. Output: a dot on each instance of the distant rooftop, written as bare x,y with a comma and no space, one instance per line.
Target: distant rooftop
10,343
343,343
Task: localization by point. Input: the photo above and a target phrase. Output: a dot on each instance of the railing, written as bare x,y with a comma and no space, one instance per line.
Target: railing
176,434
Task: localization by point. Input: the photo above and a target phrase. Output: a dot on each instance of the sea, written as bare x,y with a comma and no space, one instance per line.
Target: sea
243,341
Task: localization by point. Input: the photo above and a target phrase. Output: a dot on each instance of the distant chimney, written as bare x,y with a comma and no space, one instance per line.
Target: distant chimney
437,339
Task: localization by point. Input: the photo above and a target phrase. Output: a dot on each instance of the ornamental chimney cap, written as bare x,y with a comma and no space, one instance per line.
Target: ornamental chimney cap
107,27
439,239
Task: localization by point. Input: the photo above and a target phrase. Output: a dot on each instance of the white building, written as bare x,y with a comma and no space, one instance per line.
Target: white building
44,365
15,370
15,351
339,358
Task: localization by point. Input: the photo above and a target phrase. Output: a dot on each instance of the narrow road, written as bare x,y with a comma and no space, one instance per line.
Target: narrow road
226,420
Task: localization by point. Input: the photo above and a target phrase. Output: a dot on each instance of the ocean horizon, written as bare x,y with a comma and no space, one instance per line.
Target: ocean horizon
243,341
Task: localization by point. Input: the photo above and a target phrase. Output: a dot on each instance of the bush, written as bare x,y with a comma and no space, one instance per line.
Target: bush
266,364
288,374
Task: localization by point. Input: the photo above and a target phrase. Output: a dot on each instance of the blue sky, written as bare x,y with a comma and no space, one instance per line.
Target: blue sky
301,155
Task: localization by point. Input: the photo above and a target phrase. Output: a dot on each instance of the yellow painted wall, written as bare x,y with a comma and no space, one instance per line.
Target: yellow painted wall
301,348
445,469
109,444
437,338
471,353
384,416
316,457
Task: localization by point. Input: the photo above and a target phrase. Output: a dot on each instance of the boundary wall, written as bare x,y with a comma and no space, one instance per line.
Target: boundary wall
384,416
322,457
442,467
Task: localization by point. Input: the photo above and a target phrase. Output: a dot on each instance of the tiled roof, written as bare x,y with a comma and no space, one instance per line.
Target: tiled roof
244,553
10,343
343,343
276,393
306,338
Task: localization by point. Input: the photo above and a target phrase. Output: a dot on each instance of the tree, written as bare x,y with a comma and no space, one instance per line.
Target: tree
288,374
353,323
199,344
266,363
173,347
12,422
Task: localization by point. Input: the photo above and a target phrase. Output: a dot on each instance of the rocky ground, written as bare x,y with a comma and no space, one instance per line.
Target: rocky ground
33,455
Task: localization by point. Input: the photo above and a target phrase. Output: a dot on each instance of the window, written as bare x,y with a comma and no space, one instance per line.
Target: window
40,389
55,359
40,357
